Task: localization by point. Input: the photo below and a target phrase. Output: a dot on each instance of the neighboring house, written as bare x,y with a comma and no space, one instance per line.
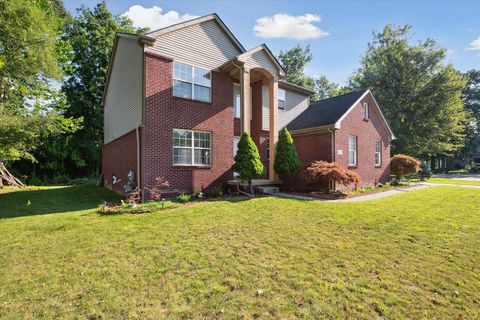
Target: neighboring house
349,129
177,100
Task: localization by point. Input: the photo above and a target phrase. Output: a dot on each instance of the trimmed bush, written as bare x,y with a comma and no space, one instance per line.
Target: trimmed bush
401,165
247,161
321,172
286,157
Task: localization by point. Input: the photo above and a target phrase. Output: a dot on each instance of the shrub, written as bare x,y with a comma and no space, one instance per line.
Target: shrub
402,164
155,192
184,198
197,193
325,172
247,161
217,191
286,157
425,171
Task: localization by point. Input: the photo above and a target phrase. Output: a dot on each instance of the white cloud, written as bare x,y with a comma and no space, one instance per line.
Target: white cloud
154,18
282,25
474,45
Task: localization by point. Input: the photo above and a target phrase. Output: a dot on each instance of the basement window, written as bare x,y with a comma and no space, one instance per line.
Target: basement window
191,82
191,148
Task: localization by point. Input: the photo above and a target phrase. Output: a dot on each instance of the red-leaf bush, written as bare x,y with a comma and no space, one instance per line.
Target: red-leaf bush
401,164
323,172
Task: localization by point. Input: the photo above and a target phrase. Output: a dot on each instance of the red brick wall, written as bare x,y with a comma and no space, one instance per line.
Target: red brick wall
119,157
310,148
366,131
163,113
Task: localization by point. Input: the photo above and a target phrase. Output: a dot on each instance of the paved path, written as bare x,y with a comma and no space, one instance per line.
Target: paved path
470,176
378,195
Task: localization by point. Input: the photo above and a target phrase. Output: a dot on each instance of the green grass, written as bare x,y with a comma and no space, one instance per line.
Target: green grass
454,181
415,255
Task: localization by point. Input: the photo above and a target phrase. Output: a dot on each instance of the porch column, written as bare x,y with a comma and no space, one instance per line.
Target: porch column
273,128
245,101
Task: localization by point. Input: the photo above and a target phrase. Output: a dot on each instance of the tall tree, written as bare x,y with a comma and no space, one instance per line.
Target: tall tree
294,62
420,95
286,157
471,99
247,161
29,107
90,34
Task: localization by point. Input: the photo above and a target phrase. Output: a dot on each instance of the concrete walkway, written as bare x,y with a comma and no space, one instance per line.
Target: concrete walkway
462,176
378,195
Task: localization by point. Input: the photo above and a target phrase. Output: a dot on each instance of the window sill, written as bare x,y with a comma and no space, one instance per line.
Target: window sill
378,166
192,100
352,166
192,166
366,119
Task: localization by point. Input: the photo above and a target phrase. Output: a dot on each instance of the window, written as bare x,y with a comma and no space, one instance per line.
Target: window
191,82
378,152
352,150
365,110
191,148
281,99
236,99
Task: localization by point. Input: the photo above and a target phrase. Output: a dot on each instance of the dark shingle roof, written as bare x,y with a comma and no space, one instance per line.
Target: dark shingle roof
325,112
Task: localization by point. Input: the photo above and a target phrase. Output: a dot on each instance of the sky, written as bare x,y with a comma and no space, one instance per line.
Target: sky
337,31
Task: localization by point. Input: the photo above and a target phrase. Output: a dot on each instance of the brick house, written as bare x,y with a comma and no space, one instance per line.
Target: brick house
177,99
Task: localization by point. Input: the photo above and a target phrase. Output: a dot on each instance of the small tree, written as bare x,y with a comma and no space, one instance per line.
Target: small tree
247,161
286,157
401,164
325,172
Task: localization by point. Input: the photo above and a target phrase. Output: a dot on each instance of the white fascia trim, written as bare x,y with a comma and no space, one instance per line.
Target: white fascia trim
382,117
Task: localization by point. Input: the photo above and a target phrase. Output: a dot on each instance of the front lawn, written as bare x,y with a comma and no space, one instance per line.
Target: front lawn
454,181
415,255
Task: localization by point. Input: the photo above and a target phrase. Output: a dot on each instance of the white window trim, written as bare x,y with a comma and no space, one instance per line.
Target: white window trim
284,101
192,164
193,81
366,111
378,164
237,85
354,151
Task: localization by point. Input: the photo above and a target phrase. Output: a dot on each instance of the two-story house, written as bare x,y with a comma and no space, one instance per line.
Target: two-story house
177,100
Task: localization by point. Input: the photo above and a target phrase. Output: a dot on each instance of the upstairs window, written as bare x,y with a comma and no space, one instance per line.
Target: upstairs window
191,148
236,99
378,152
352,150
365,110
191,82
281,99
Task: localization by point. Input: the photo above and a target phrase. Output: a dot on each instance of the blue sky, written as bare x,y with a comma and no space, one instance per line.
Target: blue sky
337,31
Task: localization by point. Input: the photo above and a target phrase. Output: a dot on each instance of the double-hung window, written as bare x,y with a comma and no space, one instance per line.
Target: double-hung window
191,82
378,152
191,148
352,150
281,99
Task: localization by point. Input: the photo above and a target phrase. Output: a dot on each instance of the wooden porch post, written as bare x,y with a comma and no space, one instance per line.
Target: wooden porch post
245,101
273,127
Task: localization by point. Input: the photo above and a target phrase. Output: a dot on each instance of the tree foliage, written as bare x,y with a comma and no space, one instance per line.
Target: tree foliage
247,160
286,157
294,62
401,165
90,37
420,95
323,172
471,99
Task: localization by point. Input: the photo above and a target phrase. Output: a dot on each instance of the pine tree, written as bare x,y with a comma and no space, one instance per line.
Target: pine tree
286,157
247,161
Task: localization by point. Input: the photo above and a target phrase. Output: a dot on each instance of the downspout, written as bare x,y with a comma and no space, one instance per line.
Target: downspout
137,131
332,157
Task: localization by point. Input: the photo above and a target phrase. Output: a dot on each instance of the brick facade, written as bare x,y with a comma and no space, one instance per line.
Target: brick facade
164,112
119,157
367,131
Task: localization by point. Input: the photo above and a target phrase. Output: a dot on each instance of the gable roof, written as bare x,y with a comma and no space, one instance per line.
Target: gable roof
331,111
181,25
269,53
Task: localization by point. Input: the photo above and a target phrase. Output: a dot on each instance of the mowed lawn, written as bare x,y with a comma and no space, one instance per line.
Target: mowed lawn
415,255
454,181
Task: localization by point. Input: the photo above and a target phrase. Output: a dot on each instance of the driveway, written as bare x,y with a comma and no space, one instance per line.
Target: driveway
469,176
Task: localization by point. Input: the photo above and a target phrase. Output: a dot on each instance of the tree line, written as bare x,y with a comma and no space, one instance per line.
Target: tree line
53,67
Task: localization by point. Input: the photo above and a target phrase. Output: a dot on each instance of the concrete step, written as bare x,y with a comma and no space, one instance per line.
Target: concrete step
268,189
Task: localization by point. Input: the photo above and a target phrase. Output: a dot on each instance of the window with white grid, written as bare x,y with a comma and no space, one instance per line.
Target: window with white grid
191,148
191,82
352,150
378,152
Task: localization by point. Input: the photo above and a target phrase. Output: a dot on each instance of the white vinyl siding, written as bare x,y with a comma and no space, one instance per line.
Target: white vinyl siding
236,100
352,150
191,148
123,101
191,82
378,152
261,59
204,44
295,104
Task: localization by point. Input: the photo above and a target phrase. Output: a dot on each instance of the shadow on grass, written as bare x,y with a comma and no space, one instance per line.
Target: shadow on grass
54,200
